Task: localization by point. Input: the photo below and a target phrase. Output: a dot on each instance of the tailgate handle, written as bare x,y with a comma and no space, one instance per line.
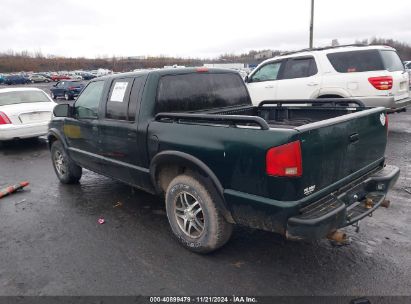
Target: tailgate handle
354,137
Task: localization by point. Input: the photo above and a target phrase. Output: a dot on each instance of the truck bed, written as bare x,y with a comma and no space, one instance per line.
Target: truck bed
290,117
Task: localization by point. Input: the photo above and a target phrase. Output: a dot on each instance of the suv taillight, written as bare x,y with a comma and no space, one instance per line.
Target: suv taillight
381,82
285,160
4,120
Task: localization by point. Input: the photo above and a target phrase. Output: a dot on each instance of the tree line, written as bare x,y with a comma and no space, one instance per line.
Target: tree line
11,61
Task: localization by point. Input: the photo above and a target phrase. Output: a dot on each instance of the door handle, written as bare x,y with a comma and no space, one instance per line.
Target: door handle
270,86
354,137
311,84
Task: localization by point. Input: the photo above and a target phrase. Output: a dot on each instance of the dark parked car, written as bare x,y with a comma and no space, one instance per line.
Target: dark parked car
66,89
16,79
194,136
87,76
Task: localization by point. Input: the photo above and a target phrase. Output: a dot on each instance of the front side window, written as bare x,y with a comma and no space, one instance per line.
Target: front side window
87,103
267,72
299,68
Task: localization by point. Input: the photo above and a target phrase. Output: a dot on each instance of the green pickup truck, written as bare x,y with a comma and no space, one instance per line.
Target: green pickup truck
300,168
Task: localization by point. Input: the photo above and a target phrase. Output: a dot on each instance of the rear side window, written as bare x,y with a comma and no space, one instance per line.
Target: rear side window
299,68
87,103
392,61
356,61
200,91
119,96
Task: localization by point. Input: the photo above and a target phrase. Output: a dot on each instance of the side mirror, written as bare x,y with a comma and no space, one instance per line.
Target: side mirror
246,79
62,110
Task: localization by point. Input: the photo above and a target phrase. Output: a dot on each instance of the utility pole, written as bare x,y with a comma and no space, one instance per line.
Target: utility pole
312,24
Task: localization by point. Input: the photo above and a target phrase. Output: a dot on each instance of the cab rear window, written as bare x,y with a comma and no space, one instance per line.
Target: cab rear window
356,61
200,91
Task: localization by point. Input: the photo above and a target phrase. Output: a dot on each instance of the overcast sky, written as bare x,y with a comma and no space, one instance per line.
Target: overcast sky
192,28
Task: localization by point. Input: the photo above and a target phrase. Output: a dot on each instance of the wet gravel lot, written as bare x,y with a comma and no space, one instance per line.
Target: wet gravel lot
51,243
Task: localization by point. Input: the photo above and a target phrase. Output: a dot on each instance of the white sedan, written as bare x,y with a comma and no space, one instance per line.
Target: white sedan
24,113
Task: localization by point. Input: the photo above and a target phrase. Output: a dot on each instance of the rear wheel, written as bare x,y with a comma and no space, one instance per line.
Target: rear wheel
52,95
66,170
194,219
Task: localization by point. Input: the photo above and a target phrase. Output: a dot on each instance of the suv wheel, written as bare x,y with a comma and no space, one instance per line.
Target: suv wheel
66,96
194,219
52,95
66,170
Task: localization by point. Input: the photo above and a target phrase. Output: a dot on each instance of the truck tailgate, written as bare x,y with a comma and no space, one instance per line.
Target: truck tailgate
348,145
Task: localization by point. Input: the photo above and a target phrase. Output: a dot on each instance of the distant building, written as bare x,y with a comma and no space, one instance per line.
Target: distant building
232,66
137,57
175,66
264,55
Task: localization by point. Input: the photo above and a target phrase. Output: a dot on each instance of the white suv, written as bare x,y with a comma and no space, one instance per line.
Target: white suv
373,74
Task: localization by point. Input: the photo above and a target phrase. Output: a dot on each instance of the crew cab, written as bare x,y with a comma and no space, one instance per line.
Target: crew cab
194,136
373,74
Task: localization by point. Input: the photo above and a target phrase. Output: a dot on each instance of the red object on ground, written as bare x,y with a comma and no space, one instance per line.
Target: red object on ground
11,189
101,221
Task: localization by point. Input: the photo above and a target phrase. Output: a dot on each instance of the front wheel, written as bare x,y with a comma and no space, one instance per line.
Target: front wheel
67,96
194,219
66,170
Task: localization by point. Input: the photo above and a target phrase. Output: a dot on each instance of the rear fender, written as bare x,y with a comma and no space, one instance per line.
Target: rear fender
184,160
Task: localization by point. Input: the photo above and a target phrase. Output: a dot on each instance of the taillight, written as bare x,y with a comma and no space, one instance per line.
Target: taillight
381,82
285,160
202,69
4,120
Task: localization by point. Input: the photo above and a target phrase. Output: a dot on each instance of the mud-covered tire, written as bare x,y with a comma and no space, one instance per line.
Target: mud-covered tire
216,230
66,170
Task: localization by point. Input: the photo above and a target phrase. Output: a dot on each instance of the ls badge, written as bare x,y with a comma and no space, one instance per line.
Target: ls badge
309,190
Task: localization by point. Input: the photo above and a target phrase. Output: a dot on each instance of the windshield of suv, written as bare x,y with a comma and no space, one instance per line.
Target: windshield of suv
8,98
392,61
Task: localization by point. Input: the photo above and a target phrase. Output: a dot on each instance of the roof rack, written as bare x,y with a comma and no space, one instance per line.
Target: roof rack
322,48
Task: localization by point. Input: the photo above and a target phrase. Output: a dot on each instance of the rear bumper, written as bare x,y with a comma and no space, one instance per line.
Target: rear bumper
9,132
344,207
388,102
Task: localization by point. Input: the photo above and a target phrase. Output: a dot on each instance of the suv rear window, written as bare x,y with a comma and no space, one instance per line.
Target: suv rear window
200,91
356,61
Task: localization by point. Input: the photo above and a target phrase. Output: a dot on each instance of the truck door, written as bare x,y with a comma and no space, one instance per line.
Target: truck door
118,138
262,84
81,130
299,80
